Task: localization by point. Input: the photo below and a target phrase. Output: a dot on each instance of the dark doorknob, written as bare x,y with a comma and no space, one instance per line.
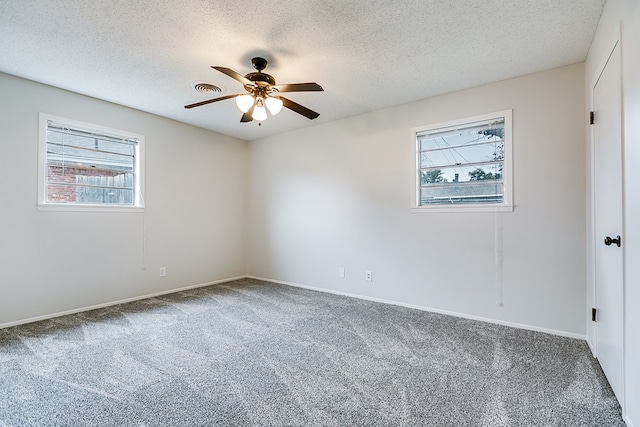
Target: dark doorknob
608,241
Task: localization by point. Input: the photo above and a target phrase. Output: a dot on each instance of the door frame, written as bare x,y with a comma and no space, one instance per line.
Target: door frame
592,330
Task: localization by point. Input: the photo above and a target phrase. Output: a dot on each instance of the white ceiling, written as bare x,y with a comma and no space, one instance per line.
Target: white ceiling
367,54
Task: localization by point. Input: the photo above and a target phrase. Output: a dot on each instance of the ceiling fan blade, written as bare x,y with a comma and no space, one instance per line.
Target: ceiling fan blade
310,114
229,72
209,101
299,87
248,116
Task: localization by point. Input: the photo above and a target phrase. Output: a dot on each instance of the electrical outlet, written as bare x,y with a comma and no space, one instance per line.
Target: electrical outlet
163,271
368,276
340,271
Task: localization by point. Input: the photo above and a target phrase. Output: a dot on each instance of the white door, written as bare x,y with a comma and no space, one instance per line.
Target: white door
608,221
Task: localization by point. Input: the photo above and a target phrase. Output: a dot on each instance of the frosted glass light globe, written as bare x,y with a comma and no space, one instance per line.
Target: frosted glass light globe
274,105
259,113
244,102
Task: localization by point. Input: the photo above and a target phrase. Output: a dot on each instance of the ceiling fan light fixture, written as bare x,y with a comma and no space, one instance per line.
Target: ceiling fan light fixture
244,102
274,105
260,87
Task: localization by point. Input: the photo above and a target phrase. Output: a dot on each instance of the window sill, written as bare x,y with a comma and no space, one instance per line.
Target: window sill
89,208
462,209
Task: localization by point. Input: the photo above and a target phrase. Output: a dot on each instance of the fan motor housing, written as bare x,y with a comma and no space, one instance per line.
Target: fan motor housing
261,79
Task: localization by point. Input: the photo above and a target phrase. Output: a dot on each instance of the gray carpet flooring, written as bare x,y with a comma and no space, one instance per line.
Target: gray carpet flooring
252,353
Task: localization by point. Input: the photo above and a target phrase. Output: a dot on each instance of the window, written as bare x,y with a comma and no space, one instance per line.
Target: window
464,164
88,167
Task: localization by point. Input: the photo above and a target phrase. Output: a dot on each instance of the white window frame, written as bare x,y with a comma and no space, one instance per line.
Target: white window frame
43,204
507,175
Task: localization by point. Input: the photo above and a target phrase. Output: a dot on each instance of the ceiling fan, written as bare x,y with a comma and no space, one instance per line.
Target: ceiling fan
262,91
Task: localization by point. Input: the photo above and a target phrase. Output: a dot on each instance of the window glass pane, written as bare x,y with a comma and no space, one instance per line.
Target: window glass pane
89,195
462,193
465,162
459,173
473,153
469,134
89,168
93,186
91,152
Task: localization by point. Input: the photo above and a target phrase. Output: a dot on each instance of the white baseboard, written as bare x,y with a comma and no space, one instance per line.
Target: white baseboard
432,310
627,421
108,304
297,285
591,346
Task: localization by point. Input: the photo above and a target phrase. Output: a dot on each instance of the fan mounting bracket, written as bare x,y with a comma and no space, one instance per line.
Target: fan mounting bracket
259,63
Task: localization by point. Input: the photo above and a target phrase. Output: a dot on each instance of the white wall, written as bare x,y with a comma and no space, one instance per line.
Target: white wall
626,15
51,262
338,194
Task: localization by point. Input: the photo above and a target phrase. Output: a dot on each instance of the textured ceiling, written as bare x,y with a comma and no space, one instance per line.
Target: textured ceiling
367,54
